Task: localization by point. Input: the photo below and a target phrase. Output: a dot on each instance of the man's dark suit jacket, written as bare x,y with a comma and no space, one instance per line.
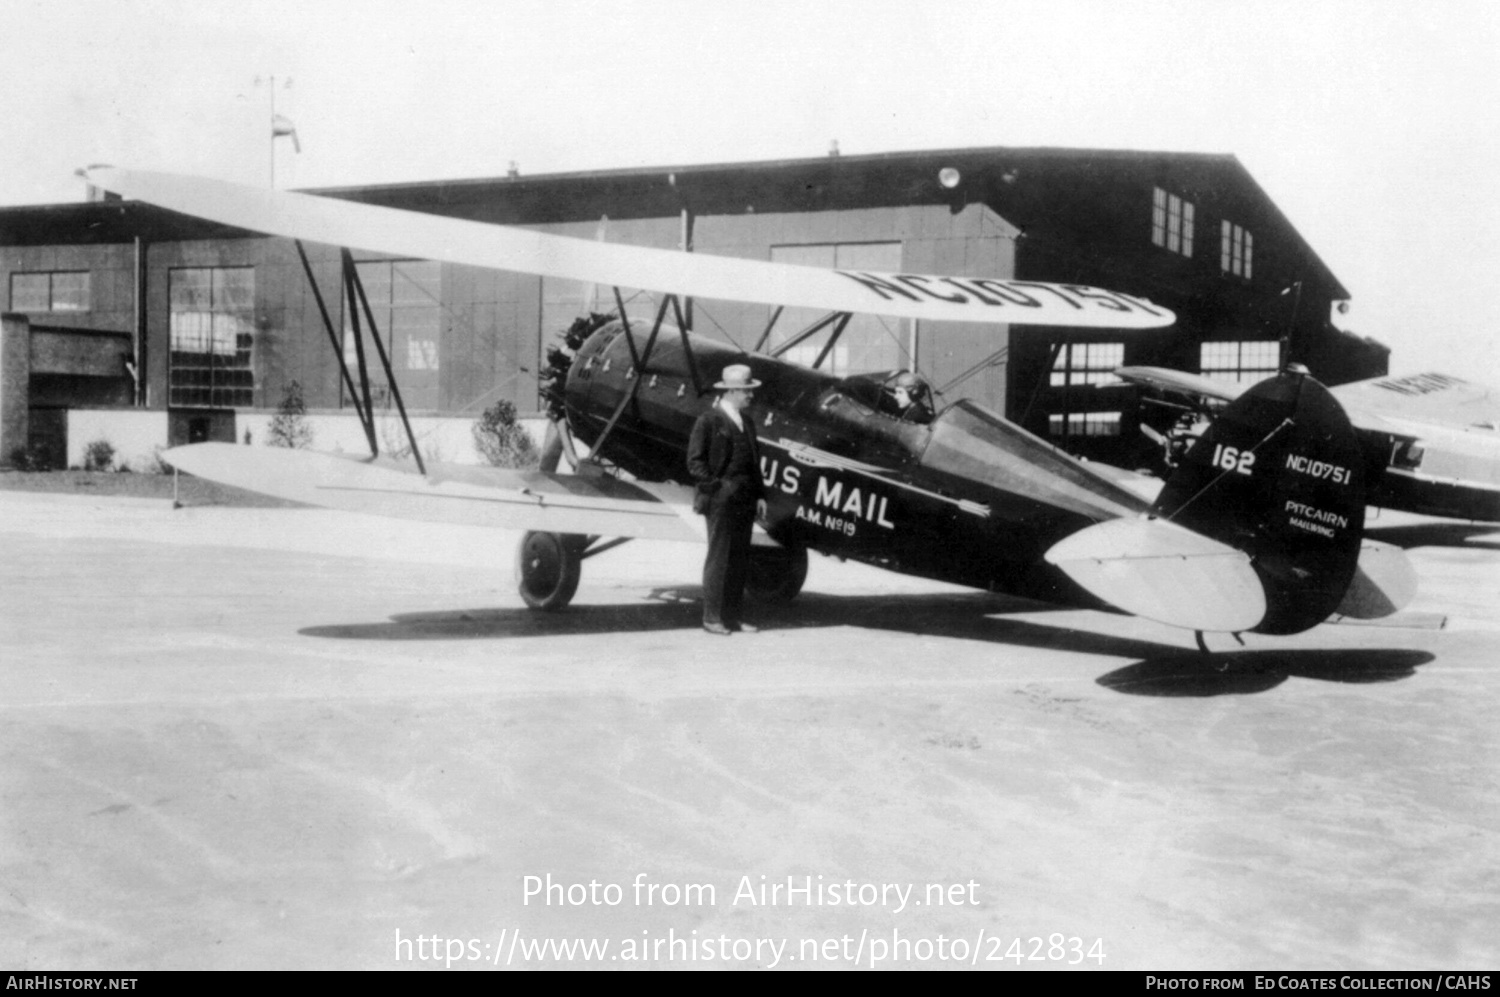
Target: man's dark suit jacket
709,451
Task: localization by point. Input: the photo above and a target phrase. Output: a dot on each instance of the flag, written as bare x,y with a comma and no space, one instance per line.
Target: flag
282,125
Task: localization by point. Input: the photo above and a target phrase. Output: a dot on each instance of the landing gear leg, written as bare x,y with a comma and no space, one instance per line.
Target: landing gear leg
558,446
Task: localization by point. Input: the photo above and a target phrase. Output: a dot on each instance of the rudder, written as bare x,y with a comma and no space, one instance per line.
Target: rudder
1279,476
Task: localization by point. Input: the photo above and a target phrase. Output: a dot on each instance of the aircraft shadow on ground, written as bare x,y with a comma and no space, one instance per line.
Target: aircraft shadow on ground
1163,669
963,615
1482,536
1190,673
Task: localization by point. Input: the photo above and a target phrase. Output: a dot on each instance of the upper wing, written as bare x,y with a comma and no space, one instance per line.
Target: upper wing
1385,403
407,233
1165,379
462,495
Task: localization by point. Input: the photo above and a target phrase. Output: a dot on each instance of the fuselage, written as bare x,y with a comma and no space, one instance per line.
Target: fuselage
1436,471
967,497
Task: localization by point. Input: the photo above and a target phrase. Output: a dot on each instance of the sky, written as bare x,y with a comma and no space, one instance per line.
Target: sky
1373,124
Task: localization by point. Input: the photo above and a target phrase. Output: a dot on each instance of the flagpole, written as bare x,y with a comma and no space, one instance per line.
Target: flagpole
273,132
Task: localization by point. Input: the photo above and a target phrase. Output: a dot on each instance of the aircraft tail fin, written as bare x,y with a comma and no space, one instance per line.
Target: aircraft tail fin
1279,476
1259,529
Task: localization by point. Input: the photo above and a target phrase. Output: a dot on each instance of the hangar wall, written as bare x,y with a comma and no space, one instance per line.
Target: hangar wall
227,320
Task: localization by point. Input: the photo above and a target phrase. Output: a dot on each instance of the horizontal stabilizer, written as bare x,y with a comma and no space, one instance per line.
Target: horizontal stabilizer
1384,582
1164,572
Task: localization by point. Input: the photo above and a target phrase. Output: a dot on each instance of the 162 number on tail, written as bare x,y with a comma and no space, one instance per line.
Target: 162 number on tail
1234,459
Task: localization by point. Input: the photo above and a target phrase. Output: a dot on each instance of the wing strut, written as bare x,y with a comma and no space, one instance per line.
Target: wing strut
367,422
687,346
359,352
1057,348
833,337
760,343
993,360
351,277
807,333
639,362
635,360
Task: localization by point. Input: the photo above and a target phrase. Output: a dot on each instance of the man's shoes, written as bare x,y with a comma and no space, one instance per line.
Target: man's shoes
749,628
717,628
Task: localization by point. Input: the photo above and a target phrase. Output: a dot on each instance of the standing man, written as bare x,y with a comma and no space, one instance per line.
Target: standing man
725,464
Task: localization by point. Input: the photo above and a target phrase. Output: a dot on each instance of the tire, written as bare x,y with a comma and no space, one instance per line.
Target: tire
549,566
776,574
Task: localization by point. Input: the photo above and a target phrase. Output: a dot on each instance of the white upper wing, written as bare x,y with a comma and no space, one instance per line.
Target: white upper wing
408,233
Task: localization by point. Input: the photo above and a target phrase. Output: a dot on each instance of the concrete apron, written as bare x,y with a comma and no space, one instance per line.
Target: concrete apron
294,738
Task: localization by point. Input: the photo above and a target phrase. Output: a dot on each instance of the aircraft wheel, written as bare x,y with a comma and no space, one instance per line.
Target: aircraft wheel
549,566
776,574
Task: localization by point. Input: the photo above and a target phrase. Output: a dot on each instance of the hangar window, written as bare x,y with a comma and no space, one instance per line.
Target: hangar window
1236,250
1087,363
869,342
1172,222
1242,362
54,291
1084,424
212,325
406,299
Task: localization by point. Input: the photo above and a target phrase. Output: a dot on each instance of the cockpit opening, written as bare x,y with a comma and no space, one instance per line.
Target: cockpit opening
902,395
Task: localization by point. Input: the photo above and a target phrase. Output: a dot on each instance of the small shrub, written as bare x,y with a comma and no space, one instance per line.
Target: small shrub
501,440
32,458
395,444
289,426
99,456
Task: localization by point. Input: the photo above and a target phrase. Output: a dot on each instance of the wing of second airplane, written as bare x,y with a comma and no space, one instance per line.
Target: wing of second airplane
1383,404
1183,383
1431,399
457,494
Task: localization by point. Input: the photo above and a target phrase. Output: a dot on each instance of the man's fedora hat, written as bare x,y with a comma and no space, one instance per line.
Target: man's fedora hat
737,378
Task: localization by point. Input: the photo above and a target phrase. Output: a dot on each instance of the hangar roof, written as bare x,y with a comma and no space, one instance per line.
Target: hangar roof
1028,186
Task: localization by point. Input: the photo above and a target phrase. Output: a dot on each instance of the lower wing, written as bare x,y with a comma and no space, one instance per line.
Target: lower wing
460,494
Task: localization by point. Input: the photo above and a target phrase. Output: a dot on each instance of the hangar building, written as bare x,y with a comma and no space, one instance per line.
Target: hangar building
122,306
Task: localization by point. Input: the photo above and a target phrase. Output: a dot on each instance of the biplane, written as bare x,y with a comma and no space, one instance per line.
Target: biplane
1431,442
1260,528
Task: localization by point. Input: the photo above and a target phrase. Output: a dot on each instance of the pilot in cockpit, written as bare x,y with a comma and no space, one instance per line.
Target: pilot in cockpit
911,397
